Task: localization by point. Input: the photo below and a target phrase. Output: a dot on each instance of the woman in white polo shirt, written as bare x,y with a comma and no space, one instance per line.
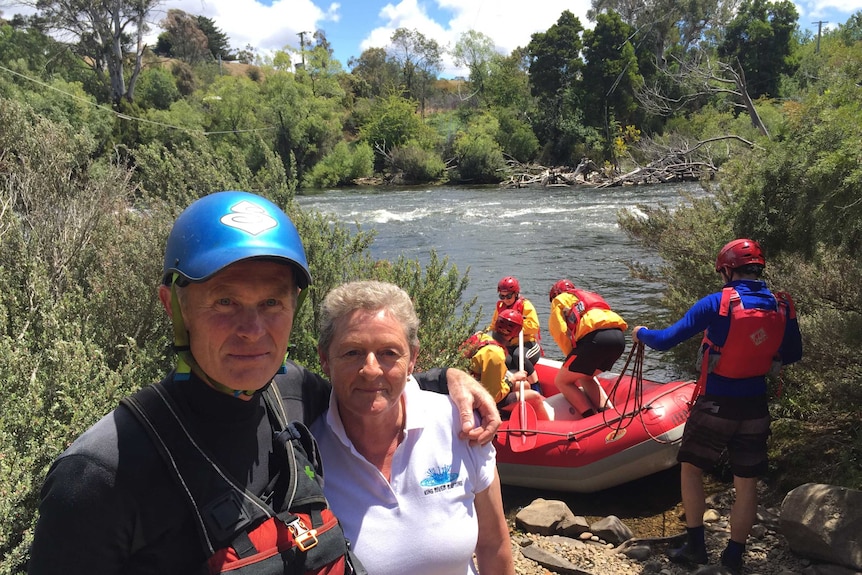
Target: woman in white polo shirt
412,496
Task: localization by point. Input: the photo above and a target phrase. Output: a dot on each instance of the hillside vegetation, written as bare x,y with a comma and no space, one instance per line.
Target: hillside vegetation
99,154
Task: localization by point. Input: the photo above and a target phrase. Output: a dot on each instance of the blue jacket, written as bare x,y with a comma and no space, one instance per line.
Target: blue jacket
704,315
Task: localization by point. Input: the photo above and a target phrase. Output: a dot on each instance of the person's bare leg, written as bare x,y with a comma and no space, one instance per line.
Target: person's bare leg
743,512
595,392
693,497
694,551
567,382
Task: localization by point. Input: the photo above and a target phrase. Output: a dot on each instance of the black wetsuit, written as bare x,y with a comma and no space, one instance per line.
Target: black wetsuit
109,504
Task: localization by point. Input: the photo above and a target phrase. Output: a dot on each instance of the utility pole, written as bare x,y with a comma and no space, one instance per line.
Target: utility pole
820,24
302,46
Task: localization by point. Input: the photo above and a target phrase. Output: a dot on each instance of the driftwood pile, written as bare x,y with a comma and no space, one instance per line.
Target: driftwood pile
683,164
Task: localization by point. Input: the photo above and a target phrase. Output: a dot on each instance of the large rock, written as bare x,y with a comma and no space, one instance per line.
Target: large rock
824,522
611,529
550,517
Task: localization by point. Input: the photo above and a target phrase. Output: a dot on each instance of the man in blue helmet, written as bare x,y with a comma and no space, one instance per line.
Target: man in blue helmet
234,272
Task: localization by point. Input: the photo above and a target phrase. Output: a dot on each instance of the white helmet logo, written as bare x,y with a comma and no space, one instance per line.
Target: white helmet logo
249,217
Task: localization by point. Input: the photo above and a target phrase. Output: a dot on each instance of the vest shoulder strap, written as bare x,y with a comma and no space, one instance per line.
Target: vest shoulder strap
729,296
221,507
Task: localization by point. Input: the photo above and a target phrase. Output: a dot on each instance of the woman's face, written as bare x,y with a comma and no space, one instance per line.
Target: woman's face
368,363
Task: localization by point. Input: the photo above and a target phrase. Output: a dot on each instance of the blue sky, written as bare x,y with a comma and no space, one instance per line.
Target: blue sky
354,25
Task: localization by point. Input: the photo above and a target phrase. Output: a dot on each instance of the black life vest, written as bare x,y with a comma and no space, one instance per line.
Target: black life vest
240,533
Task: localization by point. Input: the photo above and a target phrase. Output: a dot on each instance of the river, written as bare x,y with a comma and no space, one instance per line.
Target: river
537,235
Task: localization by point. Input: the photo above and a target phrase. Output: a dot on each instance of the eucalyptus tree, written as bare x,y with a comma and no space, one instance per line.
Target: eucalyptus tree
761,39
420,59
476,51
106,34
375,73
662,26
508,82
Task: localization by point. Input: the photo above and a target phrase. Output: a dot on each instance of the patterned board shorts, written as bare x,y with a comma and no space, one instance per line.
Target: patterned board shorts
712,427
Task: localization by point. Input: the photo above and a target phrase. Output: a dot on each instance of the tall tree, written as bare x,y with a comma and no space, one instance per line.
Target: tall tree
761,39
107,33
186,40
661,26
217,40
508,83
475,51
555,56
611,76
555,74
420,59
377,72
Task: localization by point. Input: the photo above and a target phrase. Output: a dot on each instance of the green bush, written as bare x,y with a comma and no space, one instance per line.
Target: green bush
81,248
156,88
415,164
343,165
480,158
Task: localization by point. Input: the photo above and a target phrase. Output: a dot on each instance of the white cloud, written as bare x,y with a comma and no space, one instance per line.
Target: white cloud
246,22
509,23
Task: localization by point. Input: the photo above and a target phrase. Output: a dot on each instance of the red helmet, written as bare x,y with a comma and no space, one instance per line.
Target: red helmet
739,253
509,285
562,286
509,323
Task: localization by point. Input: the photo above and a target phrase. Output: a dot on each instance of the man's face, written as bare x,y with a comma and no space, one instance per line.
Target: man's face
239,322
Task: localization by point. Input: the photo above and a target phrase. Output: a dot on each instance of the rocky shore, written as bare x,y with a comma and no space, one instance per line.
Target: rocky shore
609,547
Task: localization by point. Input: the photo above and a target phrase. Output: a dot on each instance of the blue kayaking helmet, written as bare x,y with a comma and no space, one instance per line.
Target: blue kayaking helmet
214,232
226,227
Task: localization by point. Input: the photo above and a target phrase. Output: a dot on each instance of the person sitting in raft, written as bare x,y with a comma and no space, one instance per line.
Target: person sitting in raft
412,497
492,365
509,293
592,336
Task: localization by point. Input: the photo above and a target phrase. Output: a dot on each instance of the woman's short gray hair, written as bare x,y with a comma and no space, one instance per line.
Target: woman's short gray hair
371,296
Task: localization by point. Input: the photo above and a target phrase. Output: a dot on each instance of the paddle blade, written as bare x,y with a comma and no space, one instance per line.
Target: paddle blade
522,418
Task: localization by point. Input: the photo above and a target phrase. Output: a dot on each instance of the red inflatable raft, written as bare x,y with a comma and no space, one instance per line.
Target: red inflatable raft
636,438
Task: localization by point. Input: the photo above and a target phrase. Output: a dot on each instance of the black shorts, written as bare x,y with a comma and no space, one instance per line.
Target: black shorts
740,425
597,350
532,351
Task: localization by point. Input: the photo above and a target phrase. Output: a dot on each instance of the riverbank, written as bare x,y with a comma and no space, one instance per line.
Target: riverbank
767,551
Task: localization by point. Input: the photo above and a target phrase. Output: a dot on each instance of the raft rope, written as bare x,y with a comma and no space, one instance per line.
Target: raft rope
635,394
632,408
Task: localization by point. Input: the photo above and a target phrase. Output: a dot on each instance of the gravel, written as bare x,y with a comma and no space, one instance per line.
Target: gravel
767,551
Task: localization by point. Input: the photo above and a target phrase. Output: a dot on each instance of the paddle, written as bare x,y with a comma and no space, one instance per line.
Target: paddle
525,416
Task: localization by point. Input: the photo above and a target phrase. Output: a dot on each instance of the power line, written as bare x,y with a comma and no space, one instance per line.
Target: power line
127,117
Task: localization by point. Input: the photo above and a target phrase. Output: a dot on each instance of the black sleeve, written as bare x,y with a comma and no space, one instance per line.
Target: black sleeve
433,380
304,393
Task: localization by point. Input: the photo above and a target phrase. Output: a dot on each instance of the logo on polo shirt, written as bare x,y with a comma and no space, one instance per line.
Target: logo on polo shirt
440,479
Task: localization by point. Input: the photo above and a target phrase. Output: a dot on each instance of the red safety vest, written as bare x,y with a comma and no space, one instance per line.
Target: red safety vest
518,306
587,300
753,340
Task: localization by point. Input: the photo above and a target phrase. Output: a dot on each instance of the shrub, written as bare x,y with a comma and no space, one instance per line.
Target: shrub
343,165
415,164
480,159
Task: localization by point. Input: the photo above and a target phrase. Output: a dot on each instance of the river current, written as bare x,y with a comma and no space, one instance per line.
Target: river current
538,235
